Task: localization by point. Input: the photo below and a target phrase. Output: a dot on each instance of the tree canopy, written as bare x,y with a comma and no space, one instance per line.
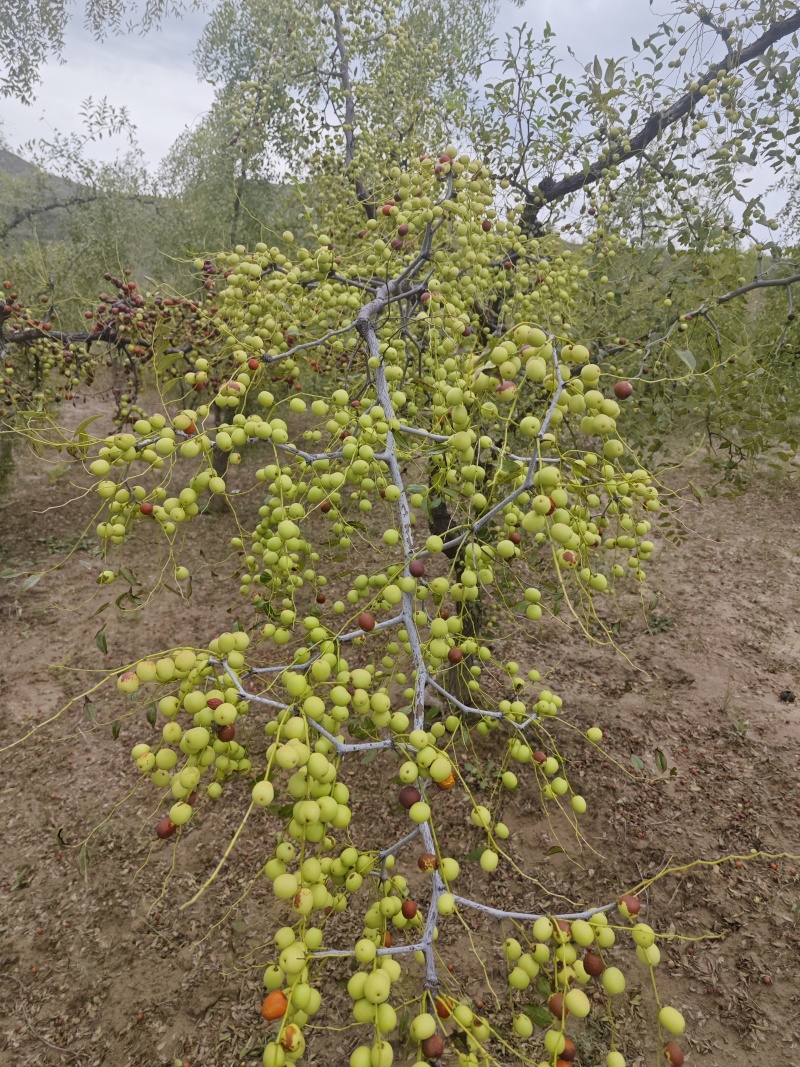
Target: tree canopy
33,32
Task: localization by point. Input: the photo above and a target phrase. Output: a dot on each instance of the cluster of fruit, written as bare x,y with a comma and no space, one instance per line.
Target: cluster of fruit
318,875
435,392
46,361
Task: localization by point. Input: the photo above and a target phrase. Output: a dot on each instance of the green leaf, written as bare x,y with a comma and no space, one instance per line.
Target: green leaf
166,358
83,859
539,1014
687,357
128,595
661,760
637,762
554,850
89,710
151,714
116,726
476,853
598,69
31,581
100,640
81,436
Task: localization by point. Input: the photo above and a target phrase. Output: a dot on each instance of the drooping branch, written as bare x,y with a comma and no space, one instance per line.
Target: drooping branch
26,214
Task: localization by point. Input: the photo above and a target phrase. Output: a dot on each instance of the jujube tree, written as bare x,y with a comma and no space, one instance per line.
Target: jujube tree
447,351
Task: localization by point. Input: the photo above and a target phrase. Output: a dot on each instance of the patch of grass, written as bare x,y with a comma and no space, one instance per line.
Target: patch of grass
659,624
65,544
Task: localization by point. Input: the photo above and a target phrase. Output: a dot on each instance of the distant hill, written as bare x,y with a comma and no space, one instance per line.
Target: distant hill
16,166
25,190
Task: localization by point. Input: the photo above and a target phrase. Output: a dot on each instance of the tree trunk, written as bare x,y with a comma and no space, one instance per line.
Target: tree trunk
470,612
218,503
237,204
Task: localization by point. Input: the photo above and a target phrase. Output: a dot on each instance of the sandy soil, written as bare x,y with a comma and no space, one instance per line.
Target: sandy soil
98,964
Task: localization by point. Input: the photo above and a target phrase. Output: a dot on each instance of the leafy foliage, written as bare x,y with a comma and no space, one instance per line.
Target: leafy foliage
32,31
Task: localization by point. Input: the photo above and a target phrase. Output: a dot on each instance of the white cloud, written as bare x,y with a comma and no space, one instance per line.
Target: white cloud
589,27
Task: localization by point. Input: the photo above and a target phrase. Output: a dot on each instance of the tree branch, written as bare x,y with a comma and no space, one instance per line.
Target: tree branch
35,334
74,201
349,111
758,283
549,191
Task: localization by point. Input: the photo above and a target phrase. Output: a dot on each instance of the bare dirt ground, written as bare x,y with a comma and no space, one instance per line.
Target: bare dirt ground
99,966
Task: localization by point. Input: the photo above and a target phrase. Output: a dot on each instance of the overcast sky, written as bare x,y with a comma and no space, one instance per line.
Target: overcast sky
154,75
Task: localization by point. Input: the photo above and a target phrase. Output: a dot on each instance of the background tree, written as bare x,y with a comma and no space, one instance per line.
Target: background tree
65,218
710,93
224,176
32,32
348,88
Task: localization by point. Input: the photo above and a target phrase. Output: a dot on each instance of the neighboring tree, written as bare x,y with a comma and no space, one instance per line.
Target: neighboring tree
32,32
342,90
223,181
46,360
711,93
